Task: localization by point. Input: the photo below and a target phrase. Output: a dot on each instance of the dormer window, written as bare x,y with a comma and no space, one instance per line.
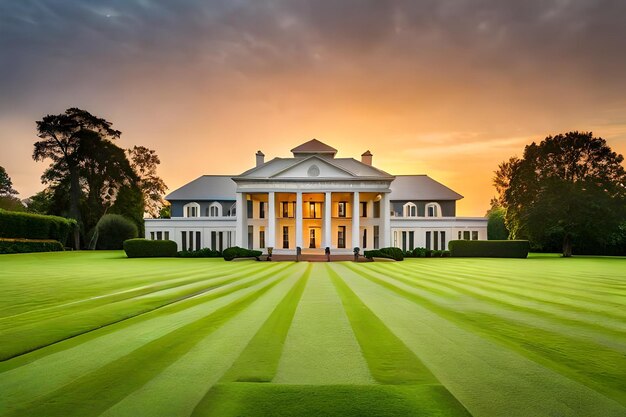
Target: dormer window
409,210
191,210
433,210
214,210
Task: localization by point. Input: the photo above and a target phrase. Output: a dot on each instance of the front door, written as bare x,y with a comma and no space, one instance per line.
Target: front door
314,236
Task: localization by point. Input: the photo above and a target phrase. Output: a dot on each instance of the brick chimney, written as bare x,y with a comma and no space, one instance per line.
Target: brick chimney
260,158
366,158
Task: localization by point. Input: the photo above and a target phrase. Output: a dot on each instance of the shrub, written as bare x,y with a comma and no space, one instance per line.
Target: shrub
445,253
35,226
419,252
237,252
436,254
112,230
144,248
200,253
390,252
29,245
489,248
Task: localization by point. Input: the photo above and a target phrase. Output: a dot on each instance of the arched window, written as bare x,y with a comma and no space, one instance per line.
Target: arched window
191,210
214,210
433,210
232,212
409,210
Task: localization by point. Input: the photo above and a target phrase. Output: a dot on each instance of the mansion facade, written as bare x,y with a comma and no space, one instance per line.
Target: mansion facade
314,200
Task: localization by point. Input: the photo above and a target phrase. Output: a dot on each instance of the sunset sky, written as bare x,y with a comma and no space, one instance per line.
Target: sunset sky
447,88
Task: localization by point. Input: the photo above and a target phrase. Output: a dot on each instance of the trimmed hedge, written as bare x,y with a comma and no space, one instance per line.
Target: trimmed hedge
144,248
113,230
237,252
390,252
21,225
489,248
200,253
29,245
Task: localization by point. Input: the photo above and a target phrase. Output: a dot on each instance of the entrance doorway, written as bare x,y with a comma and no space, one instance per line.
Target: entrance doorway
314,237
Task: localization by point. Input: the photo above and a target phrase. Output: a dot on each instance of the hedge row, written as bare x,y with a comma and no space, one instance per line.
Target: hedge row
35,226
391,253
237,252
200,253
144,248
29,245
489,248
426,253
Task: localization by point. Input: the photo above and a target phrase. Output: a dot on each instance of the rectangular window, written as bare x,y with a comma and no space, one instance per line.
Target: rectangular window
466,235
312,243
442,235
285,209
460,235
262,239
198,241
213,240
363,208
436,240
159,235
250,236
249,207
475,235
341,209
285,237
404,241
376,237
411,240
184,240
167,235
364,239
376,209
221,241
427,240
151,235
261,210
341,237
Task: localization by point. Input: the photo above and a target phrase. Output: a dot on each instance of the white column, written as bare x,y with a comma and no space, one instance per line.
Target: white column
356,233
386,218
299,219
271,221
328,204
241,231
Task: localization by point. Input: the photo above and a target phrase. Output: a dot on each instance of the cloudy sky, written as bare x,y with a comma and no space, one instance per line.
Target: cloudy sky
444,87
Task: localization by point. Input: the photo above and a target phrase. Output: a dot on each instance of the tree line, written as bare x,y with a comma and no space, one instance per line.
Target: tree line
89,175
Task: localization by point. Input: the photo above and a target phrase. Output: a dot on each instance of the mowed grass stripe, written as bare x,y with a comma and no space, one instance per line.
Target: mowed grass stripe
589,363
537,310
25,339
388,358
19,377
320,347
158,282
259,361
490,379
177,389
146,362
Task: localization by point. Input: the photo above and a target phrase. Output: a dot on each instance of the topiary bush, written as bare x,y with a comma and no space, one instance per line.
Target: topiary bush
200,253
390,252
489,248
112,230
35,226
237,252
29,245
144,248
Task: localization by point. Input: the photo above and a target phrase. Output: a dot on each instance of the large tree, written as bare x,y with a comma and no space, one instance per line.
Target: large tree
60,138
569,187
144,161
6,185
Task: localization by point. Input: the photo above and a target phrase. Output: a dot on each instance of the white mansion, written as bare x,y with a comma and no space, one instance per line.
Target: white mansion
313,201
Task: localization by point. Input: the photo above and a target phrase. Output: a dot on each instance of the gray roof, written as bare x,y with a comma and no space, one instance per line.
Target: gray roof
420,187
314,146
351,166
207,187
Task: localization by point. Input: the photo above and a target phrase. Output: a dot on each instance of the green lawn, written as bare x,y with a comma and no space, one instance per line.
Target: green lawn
97,334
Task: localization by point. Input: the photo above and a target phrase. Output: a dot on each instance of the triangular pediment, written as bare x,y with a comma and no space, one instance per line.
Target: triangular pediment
313,167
